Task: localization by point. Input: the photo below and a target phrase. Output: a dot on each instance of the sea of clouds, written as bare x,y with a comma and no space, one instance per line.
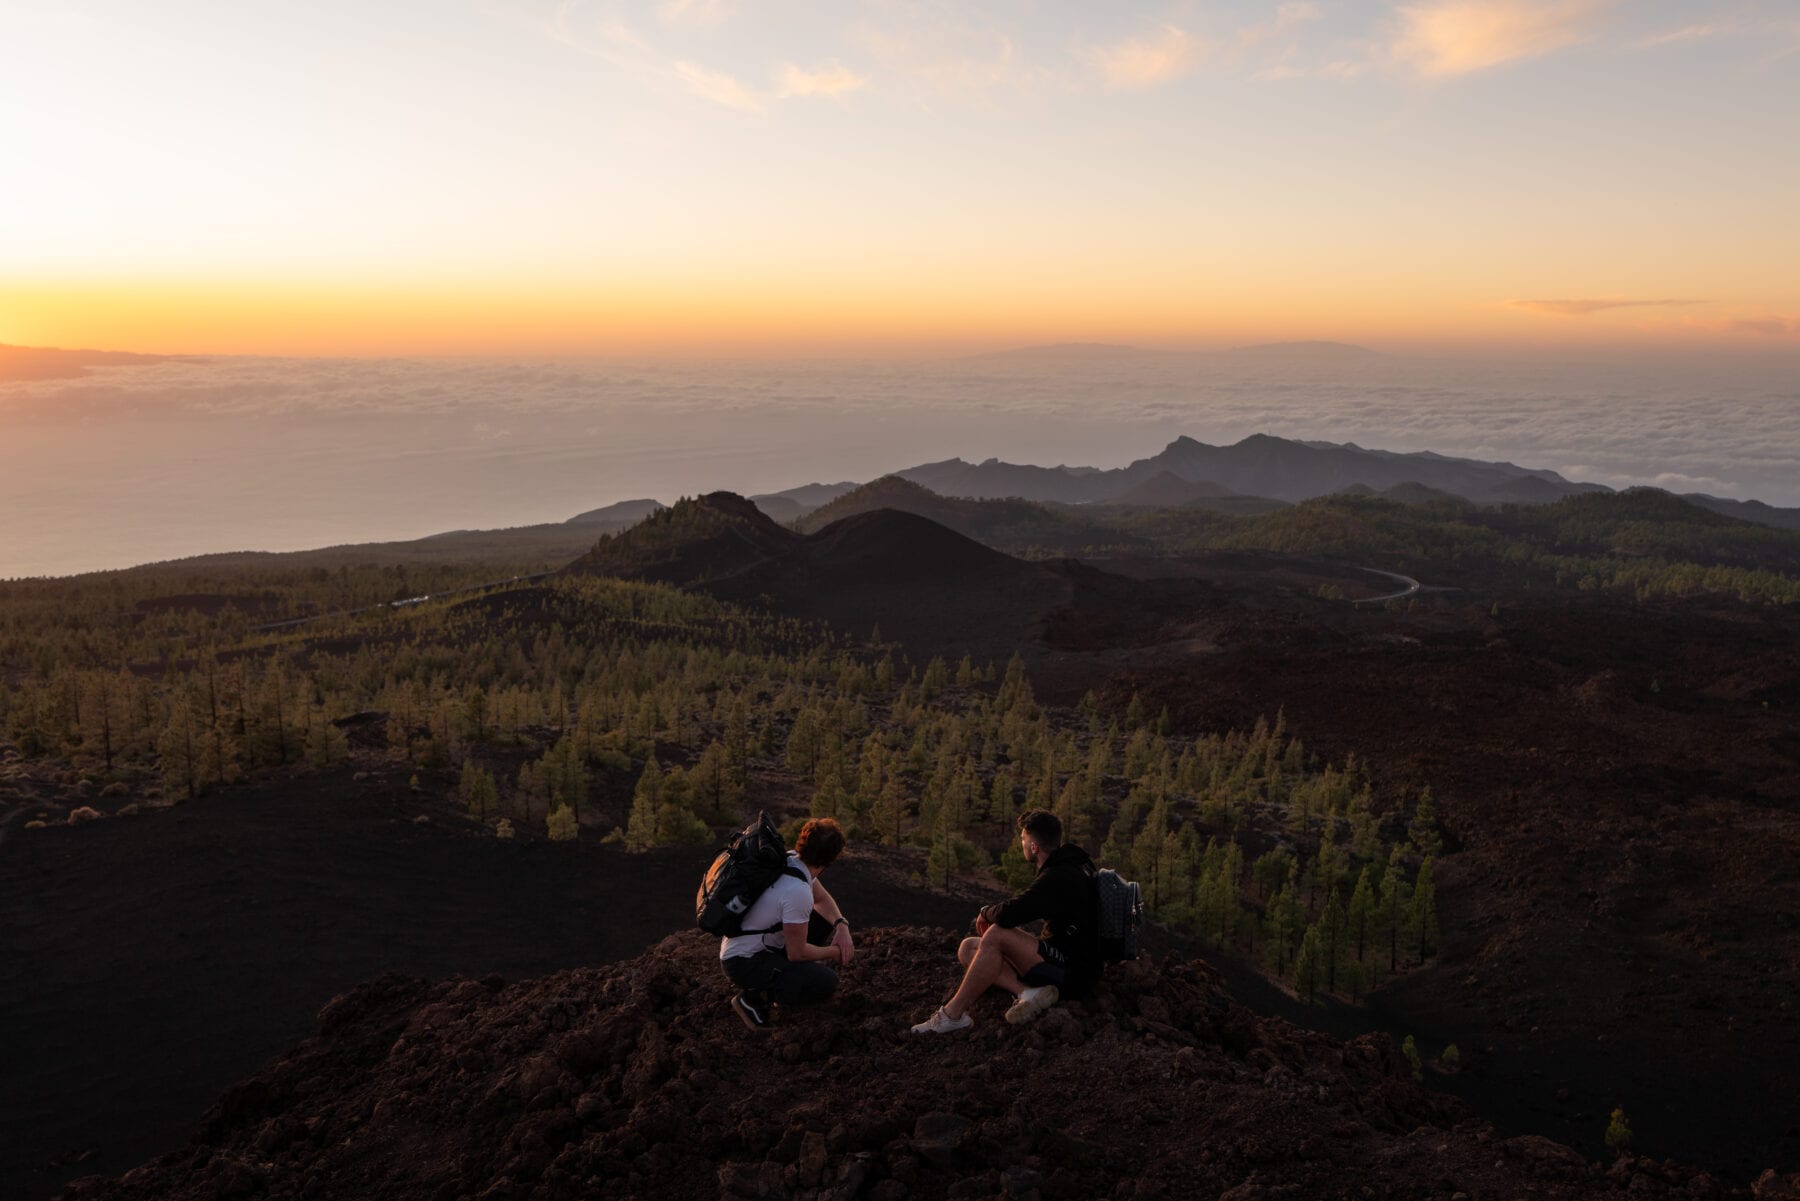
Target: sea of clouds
133,464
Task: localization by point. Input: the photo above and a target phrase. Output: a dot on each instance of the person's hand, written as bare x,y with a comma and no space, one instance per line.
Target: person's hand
982,925
840,939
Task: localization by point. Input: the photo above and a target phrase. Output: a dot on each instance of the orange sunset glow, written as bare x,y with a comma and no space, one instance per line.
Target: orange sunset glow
591,177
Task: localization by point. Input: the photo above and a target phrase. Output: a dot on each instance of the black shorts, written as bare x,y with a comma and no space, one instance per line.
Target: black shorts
1053,970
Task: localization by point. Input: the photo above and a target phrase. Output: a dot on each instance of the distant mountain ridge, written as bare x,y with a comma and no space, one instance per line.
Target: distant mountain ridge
1284,470
50,362
921,582
1270,351
1260,465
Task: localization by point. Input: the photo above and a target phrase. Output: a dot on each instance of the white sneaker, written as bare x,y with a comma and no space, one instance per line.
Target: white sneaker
1032,1002
942,1023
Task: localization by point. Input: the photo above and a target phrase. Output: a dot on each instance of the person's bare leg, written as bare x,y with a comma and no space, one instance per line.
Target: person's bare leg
999,957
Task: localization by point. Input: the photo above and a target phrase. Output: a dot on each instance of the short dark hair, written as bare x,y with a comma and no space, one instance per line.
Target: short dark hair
1044,827
821,840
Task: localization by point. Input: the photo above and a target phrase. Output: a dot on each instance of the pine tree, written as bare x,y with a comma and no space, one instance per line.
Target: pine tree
1284,927
676,822
1332,924
716,787
1391,908
1423,829
1362,912
828,795
889,811
1365,830
1422,920
178,747
1308,964
640,826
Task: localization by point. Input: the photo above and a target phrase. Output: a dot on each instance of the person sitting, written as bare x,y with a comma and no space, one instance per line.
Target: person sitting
795,930
1037,971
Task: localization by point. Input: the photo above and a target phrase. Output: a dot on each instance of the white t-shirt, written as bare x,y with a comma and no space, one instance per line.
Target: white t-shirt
787,902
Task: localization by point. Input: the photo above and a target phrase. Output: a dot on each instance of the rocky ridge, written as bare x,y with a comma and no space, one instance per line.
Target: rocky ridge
634,1080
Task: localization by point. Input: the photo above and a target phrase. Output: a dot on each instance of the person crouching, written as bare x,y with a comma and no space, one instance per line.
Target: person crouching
798,932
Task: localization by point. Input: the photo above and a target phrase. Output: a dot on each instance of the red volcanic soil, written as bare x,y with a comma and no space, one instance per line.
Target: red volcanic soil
148,962
634,1081
1620,785
1619,782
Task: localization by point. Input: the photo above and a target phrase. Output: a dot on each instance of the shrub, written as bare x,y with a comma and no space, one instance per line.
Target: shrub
503,829
1451,1059
83,814
1618,1132
34,824
561,824
116,788
1410,1049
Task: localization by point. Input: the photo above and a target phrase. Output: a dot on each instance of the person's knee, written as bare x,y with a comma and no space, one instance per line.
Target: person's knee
999,940
807,983
965,952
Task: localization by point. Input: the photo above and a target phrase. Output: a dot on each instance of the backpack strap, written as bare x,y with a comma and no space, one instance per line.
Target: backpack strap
796,873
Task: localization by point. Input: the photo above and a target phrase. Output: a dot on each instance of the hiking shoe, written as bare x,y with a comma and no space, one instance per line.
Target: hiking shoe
942,1023
753,1011
1032,1002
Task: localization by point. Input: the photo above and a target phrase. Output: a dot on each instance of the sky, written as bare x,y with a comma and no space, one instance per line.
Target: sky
475,177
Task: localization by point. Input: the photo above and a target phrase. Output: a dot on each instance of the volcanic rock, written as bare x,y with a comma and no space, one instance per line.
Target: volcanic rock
634,1081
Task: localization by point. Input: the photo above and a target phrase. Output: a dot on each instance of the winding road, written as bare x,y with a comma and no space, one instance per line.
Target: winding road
1413,587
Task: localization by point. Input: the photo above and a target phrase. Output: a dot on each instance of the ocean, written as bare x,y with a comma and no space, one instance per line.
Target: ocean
135,464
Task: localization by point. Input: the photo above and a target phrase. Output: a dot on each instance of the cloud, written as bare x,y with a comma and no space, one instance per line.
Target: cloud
617,44
1288,17
832,79
928,51
1444,38
695,14
1689,33
1762,325
717,87
1773,327
1145,62
1582,308
1675,481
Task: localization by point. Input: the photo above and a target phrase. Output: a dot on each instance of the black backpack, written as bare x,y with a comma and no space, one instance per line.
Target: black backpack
1121,912
755,858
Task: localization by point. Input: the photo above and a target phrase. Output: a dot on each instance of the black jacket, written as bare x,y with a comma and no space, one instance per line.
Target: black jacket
1066,895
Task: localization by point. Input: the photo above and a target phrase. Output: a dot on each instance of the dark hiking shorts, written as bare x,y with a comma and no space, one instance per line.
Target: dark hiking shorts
788,982
1053,970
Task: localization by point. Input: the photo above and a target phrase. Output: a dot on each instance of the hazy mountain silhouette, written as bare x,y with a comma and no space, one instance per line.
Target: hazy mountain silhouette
1747,510
1008,522
993,479
1407,494
1260,465
698,541
921,582
1166,490
48,362
617,513
1301,351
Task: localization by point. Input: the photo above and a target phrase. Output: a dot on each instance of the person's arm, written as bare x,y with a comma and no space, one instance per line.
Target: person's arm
827,907
793,936
1028,906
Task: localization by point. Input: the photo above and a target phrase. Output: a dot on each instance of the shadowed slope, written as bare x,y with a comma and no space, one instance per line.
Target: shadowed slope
697,541
635,1081
1008,522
